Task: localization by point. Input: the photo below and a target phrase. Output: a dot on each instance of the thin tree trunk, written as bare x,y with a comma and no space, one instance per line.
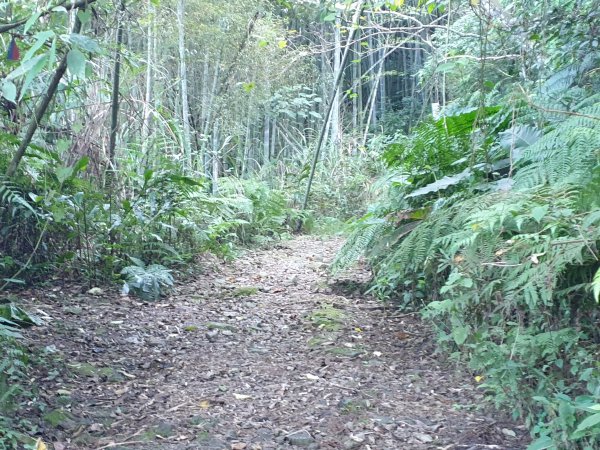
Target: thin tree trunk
116,81
246,152
266,141
273,137
215,158
372,105
356,81
337,55
205,93
185,110
373,82
382,85
150,43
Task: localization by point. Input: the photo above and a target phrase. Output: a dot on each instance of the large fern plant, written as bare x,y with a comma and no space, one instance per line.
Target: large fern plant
508,261
147,282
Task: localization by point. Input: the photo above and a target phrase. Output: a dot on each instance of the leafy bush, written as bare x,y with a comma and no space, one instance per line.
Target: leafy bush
501,248
147,282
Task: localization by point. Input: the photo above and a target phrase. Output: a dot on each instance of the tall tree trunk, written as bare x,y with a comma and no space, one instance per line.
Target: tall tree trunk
246,153
382,84
185,110
148,96
273,138
116,82
337,56
210,101
356,81
205,94
266,140
215,158
373,83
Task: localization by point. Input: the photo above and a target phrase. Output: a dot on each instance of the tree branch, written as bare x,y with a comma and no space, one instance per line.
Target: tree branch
74,5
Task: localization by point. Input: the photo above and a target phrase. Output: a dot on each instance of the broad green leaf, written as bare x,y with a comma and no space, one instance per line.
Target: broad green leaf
398,3
52,54
35,198
41,39
541,399
596,286
84,43
85,16
58,213
33,19
63,174
460,335
263,43
17,315
76,62
34,72
517,139
589,422
543,443
443,183
23,68
81,165
9,91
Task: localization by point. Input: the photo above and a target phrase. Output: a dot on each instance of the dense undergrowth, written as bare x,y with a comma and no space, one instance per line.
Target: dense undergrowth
59,226
489,223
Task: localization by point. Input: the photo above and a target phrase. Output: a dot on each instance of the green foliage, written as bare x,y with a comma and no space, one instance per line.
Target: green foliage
359,242
147,282
505,257
12,315
564,154
437,145
12,199
13,390
263,213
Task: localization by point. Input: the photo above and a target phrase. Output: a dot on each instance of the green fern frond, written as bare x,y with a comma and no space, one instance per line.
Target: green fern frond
565,155
358,243
10,194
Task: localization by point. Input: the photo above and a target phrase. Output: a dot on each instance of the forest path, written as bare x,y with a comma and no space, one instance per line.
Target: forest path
263,353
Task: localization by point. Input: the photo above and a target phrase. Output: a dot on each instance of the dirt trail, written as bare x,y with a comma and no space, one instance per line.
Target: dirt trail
262,353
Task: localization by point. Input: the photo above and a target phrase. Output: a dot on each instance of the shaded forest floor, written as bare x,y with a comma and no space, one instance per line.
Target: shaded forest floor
263,353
